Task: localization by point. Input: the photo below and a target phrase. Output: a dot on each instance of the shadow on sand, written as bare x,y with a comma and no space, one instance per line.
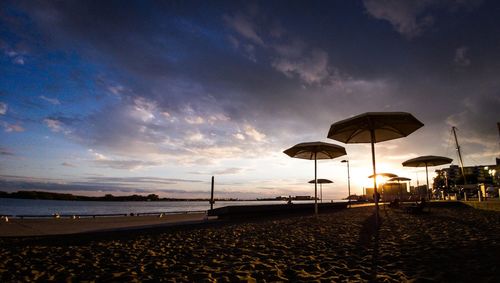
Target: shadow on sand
369,239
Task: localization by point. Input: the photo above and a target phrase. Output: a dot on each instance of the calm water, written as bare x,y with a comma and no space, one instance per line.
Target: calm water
49,207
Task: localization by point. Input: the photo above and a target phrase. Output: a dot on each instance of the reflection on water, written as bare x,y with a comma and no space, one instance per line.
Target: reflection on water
49,207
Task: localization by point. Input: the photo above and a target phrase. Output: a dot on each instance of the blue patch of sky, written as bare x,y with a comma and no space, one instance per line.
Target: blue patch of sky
66,78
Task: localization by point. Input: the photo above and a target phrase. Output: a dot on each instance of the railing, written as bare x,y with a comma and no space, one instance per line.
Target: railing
74,216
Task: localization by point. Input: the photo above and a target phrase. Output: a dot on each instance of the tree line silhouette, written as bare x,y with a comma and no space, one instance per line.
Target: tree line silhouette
107,197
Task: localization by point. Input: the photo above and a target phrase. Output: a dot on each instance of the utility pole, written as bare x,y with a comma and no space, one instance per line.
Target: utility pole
459,154
348,183
212,195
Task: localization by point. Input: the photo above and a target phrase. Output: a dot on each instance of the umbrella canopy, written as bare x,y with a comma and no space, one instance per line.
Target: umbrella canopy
373,127
315,151
321,182
426,161
388,175
399,179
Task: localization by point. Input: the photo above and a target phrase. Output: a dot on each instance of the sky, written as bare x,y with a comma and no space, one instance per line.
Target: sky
127,97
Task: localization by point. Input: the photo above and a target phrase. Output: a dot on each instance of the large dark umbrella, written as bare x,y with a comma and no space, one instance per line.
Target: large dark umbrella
373,127
426,161
321,182
315,151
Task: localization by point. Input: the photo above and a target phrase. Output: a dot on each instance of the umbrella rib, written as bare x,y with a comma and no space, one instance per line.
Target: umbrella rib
353,134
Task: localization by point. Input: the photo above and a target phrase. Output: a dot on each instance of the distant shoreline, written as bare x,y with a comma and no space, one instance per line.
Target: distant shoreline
151,197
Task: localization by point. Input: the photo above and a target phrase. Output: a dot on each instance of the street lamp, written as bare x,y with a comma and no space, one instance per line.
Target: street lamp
348,182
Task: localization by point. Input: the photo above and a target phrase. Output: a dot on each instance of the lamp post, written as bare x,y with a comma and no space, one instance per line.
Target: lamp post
348,182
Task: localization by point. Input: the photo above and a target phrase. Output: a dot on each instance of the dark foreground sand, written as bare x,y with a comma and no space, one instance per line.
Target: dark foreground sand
457,244
51,226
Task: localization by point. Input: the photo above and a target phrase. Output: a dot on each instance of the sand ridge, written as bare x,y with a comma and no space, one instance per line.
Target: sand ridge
449,244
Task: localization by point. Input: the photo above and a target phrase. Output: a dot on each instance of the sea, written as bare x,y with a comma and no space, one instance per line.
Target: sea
36,207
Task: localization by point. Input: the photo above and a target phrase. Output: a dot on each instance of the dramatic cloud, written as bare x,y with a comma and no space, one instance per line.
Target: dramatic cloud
16,57
141,180
125,164
311,69
243,25
407,17
66,164
53,101
5,152
3,108
54,125
171,88
100,160
412,18
461,58
9,128
479,116
477,126
125,185
293,57
228,171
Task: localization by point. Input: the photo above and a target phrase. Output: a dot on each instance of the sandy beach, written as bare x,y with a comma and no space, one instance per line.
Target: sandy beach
52,226
448,244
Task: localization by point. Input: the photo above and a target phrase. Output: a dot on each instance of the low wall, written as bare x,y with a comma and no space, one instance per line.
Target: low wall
486,205
273,209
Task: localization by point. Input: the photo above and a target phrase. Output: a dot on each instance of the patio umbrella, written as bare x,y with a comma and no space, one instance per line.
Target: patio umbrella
315,151
426,161
399,179
388,175
321,182
373,127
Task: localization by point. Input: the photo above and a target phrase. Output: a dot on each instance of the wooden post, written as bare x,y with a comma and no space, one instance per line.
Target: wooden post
212,195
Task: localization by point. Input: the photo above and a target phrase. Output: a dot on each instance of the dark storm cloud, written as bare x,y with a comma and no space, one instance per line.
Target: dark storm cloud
265,74
161,51
104,184
477,125
154,180
412,18
6,152
8,185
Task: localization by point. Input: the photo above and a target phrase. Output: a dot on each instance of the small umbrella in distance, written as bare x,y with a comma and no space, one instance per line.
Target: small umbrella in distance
387,175
373,127
321,182
399,179
315,151
426,161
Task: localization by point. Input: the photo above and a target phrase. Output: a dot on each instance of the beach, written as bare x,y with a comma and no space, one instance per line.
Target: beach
61,226
449,243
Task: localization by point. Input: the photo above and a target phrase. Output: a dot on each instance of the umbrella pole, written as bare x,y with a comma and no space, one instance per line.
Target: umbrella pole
348,186
427,176
321,192
400,191
315,185
375,194
372,132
